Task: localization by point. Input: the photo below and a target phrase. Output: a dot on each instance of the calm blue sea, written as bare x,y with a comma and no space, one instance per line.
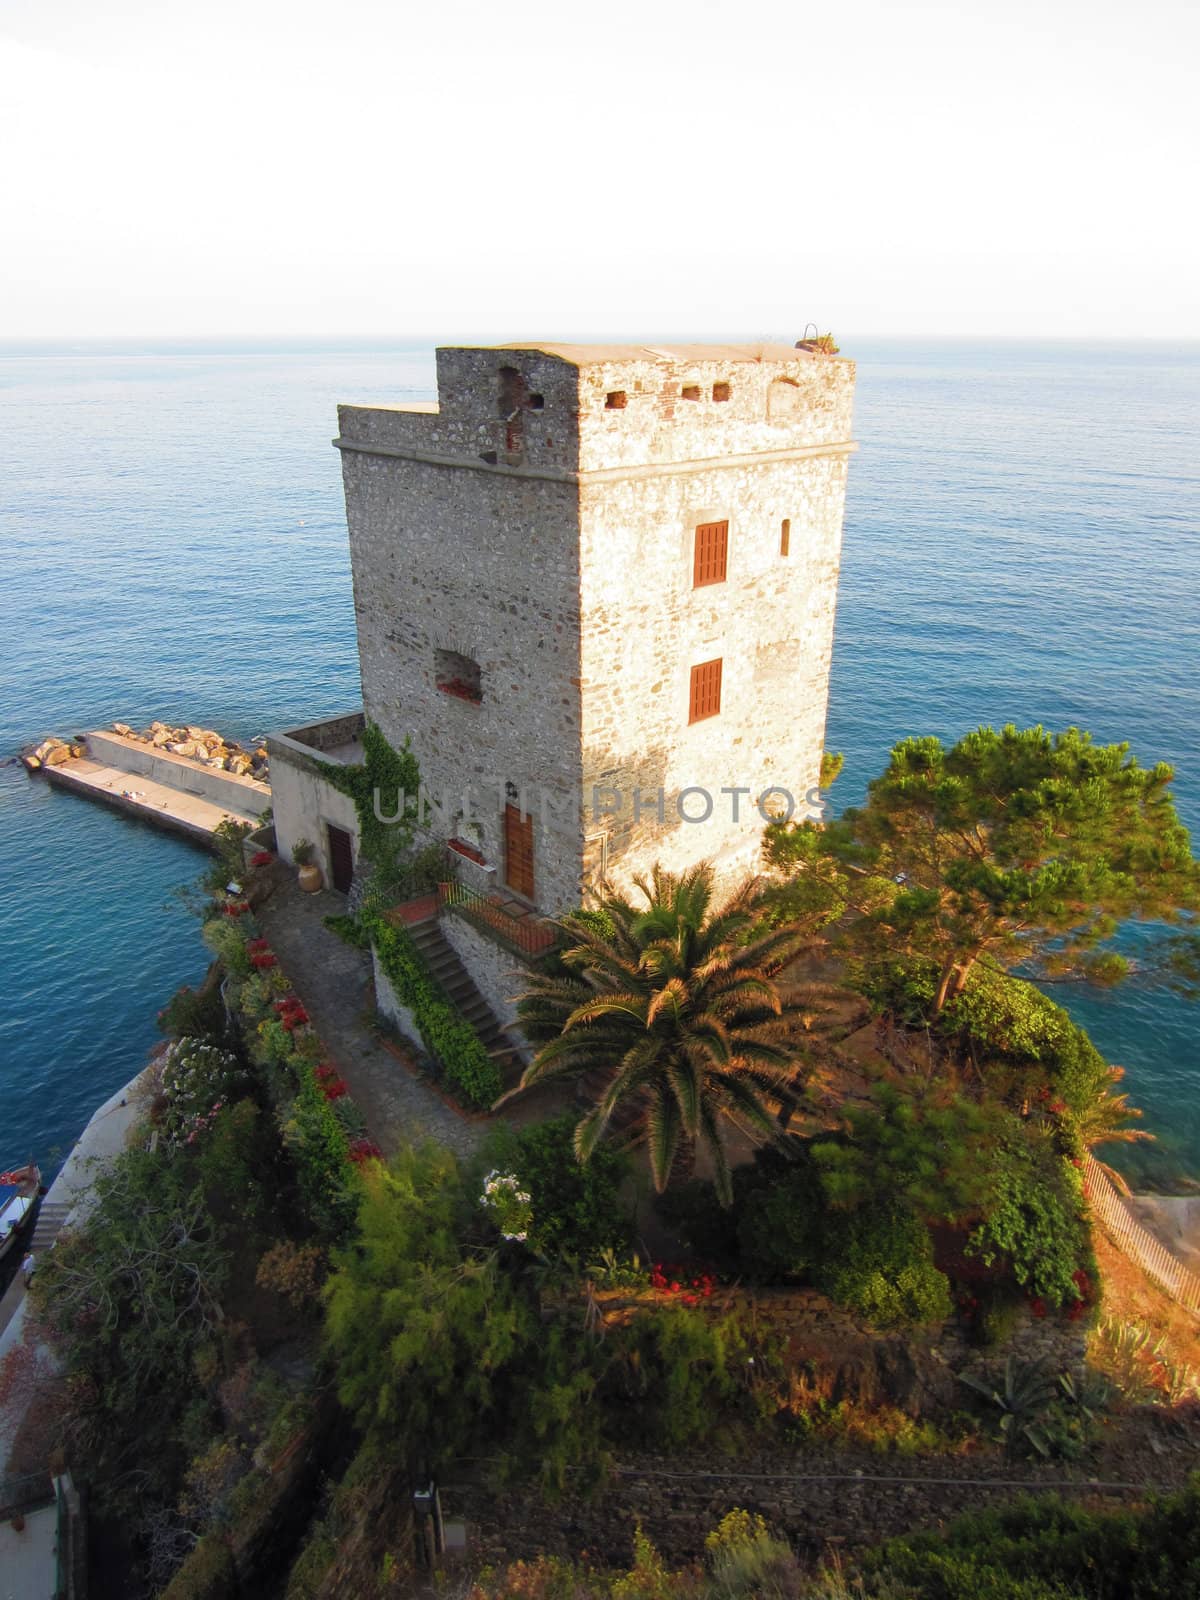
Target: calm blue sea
1022,544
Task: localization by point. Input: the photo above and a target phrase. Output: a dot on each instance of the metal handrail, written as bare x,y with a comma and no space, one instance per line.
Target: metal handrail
530,936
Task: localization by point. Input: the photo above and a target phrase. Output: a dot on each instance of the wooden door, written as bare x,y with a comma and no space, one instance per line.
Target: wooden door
518,851
341,857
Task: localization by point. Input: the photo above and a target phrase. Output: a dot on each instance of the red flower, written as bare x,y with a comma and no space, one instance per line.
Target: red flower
334,1089
261,858
263,959
364,1150
1038,1306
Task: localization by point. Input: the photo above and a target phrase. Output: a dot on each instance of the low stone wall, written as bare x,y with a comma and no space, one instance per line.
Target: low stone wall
821,1499
387,1004
243,795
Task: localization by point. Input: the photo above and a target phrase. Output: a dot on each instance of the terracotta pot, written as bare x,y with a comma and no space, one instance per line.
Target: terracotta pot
310,878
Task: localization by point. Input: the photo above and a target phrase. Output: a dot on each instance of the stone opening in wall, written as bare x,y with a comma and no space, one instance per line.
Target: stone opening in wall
722,391
783,399
616,400
690,391
458,675
514,392
785,536
537,402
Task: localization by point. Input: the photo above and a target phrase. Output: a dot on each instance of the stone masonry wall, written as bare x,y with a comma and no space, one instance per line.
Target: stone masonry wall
645,625
540,523
485,565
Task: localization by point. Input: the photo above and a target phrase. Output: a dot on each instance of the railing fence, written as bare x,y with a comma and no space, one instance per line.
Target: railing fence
1138,1242
530,935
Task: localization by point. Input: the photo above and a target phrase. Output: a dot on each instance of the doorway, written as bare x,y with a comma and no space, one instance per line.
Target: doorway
518,851
341,857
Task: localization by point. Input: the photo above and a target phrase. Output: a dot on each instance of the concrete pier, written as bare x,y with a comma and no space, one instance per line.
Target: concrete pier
155,786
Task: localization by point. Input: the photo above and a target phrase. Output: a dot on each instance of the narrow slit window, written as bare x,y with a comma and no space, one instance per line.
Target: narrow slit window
711,554
616,400
690,391
705,698
785,536
722,391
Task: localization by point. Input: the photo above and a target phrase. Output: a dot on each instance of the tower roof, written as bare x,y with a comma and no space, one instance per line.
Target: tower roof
592,355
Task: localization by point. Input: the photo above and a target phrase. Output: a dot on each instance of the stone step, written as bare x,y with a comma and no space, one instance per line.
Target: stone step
447,970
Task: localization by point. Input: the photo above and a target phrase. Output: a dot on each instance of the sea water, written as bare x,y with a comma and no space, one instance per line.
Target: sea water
1022,543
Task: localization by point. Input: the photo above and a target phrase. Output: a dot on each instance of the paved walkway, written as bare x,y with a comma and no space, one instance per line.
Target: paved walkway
335,983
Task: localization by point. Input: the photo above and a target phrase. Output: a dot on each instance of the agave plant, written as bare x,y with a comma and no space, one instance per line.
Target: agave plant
1023,1397
673,1009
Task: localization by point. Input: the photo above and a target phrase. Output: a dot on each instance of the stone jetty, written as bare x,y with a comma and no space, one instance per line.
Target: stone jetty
188,779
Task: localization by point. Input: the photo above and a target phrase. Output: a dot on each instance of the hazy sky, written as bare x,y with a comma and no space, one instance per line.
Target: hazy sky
646,167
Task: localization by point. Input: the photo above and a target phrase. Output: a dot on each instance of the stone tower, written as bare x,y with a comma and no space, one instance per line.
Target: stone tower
595,585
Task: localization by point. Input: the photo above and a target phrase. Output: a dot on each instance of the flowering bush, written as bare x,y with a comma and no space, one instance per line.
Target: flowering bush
507,1204
195,1080
261,858
684,1284
332,1085
263,959
364,1149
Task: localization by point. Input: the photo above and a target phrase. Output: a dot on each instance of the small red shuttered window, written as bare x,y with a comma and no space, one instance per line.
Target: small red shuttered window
712,549
705,698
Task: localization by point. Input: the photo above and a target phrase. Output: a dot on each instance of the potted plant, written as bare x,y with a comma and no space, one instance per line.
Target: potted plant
309,876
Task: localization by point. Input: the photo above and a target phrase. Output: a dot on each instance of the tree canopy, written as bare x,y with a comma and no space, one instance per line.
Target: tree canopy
1009,847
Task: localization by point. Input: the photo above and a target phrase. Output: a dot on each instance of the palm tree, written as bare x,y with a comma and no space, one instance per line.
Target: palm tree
675,1003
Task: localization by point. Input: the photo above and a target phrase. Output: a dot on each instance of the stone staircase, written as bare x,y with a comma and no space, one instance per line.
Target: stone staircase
457,984
50,1218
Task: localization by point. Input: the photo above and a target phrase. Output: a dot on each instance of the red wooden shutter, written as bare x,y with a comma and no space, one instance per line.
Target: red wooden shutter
705,699
712,548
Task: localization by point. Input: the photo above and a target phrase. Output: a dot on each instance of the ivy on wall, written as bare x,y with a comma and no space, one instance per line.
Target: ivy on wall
470,1072
394,776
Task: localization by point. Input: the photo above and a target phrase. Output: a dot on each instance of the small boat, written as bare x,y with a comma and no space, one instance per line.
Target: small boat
19,1189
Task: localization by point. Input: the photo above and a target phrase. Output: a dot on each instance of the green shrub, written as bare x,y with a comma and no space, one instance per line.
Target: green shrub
1038,1549
320,1152
196,1013
207,1574
1035,1221
780,1218
878,1262
196,1080
453,1043
423,1328
226,938
350,930
577,1207
675,1374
